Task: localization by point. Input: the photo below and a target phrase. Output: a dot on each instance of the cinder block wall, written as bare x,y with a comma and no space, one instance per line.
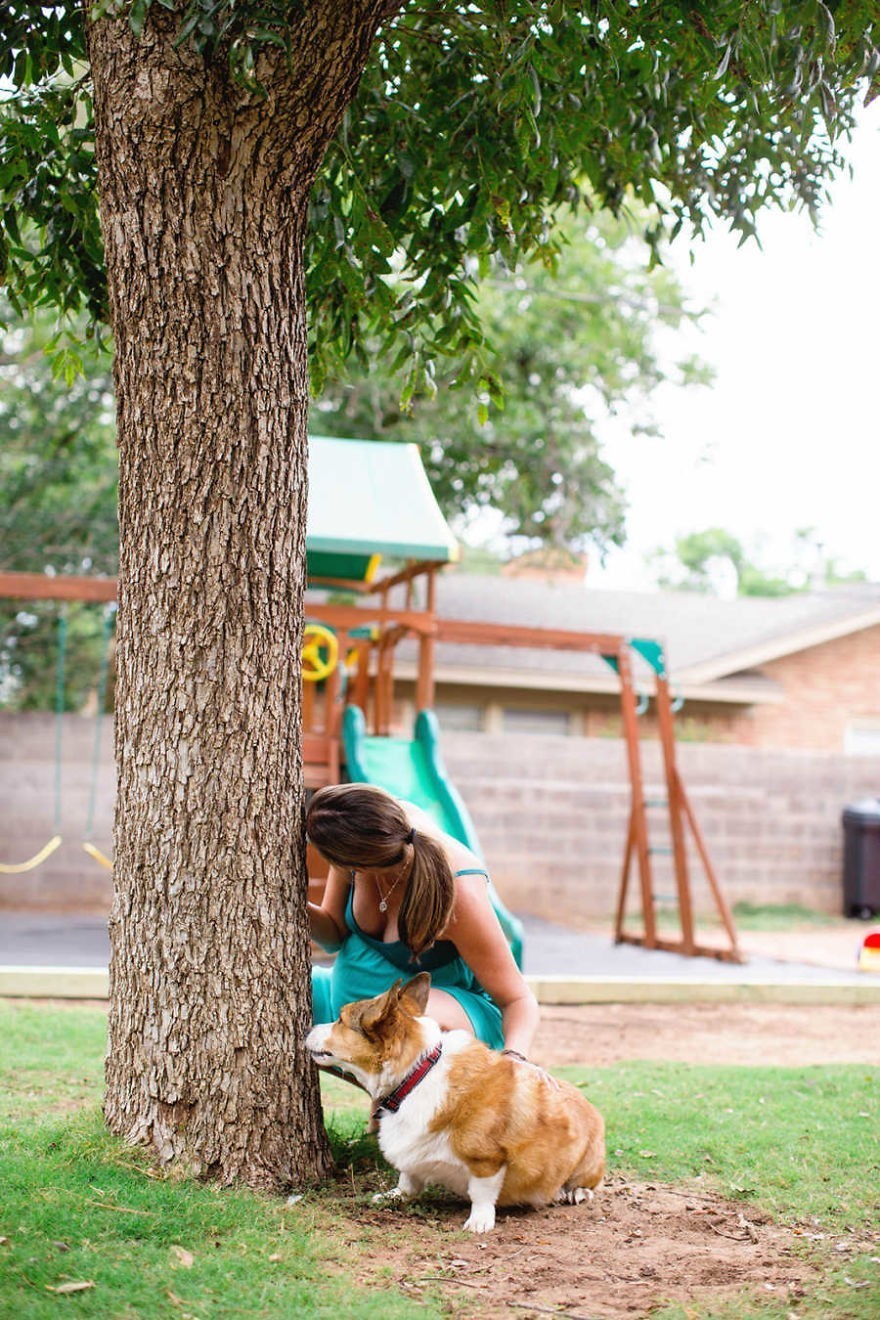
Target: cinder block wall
551,813
69,879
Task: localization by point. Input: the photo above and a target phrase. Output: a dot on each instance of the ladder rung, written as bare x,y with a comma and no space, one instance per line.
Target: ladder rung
660,852
656,802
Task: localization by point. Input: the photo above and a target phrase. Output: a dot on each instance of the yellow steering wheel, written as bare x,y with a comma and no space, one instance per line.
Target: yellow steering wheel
320,652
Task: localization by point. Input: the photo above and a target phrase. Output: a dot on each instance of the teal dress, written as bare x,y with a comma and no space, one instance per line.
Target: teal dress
365,967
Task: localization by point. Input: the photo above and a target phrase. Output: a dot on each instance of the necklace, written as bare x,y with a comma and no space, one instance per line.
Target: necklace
383,898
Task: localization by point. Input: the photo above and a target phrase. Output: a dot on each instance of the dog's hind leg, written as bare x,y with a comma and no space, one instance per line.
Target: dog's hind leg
573,1195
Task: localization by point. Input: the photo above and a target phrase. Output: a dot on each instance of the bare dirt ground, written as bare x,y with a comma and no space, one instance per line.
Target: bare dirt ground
638,1246
786,1034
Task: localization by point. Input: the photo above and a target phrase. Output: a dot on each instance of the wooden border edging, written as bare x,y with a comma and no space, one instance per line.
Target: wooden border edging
562,990
93,983
54,983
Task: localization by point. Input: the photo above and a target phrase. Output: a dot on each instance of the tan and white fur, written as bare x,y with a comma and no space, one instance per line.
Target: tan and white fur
484,1125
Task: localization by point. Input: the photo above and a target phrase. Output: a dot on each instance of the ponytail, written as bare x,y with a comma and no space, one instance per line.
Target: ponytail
427,902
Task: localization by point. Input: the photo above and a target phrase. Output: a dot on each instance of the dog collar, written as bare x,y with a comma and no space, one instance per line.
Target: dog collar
395,1098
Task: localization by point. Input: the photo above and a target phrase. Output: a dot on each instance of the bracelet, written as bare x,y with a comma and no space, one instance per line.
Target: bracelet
515,1054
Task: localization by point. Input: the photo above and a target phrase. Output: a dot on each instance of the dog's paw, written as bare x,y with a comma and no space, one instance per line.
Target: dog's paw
481,1219
573,1195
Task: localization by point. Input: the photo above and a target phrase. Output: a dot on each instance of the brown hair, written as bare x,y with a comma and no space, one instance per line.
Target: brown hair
361,827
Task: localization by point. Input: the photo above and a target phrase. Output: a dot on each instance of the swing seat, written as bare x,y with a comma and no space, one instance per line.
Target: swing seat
19,868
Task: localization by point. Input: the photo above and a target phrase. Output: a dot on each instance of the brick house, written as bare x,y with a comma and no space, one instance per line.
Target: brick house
796,672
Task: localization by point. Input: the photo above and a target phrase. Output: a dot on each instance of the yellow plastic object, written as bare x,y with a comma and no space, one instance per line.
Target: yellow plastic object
18,868
98,855
320,652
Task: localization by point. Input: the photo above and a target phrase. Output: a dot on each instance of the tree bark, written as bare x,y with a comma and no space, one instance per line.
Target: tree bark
204,188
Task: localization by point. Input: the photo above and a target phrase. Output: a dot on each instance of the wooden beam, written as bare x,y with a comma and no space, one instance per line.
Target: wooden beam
469,632
346,617
39,586
677,946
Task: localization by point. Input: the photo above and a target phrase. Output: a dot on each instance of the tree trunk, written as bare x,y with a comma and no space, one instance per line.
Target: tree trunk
204,189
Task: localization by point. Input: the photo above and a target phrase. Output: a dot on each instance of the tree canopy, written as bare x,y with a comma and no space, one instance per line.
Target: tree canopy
58,486
472,125
569,348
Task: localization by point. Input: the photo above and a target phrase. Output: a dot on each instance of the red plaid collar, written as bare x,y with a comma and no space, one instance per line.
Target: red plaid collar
395,1098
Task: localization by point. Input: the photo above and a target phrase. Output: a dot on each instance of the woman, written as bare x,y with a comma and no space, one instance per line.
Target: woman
403,897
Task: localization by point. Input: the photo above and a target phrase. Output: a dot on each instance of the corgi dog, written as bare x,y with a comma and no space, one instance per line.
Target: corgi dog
452,1112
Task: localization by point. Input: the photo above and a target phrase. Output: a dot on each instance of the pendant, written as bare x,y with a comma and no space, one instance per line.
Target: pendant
383,906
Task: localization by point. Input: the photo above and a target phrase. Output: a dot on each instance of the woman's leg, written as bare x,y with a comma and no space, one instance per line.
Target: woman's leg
448,1012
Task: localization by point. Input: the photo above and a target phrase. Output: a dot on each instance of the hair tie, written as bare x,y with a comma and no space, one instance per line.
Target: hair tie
411,837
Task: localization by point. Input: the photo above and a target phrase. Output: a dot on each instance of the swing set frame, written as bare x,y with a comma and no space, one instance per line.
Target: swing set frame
369,635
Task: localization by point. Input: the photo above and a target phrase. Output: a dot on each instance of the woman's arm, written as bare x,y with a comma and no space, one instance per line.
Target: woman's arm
477,934
327,919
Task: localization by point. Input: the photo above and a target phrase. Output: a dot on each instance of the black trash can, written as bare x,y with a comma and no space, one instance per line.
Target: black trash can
861,858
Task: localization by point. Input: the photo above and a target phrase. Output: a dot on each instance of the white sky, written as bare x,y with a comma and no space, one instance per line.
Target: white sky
788,436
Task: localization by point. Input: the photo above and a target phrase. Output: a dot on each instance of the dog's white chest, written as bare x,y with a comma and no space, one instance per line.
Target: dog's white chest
410,1147
429,1157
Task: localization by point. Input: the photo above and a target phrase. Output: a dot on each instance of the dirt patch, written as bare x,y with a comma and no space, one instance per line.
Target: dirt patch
787,1035
637,1246
634,1248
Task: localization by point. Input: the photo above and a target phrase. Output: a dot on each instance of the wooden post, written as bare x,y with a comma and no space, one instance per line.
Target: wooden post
427,649
624,881
675,808
638,824
721,902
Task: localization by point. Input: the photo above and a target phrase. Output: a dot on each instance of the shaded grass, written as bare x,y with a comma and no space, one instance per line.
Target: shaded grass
79,1206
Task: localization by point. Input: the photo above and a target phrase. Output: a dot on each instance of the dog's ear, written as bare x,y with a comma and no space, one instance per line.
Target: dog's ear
376,1012
417,989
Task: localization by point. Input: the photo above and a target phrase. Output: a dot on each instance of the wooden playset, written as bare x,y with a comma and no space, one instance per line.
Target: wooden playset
371,502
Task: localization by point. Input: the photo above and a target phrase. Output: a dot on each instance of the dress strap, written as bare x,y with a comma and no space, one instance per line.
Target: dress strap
475,870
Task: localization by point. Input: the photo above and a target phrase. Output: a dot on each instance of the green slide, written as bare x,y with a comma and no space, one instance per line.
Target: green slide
413,769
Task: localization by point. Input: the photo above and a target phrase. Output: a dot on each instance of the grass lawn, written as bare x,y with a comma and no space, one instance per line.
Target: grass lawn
78,1207
782,916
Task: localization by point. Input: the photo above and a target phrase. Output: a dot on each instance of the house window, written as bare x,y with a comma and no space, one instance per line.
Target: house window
458,717
522,719
862,737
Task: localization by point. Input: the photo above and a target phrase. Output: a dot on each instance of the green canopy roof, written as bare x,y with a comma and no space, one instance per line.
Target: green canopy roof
370,498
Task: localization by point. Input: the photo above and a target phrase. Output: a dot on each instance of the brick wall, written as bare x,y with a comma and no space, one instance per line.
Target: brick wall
551,814
824,686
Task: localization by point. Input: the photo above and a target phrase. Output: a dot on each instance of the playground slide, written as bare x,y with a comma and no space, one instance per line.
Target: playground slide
413,769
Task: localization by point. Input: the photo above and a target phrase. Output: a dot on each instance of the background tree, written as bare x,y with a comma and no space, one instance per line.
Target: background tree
715,561
569,347
372,153
57,506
